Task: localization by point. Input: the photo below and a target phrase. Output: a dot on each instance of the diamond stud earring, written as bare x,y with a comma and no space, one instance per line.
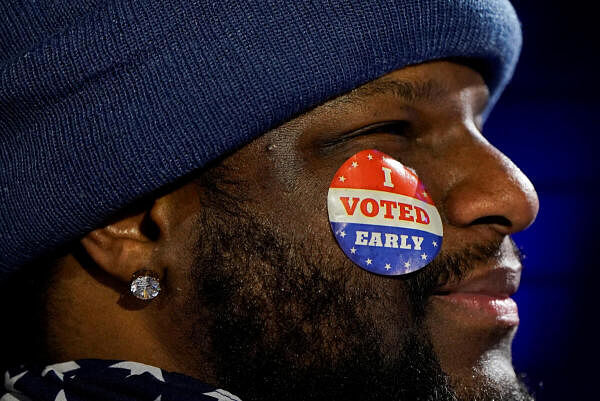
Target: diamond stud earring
144,285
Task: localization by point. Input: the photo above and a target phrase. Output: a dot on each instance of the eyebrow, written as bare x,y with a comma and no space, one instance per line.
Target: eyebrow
408,91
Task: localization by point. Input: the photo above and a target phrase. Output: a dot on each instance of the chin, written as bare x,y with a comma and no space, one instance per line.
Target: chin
475,353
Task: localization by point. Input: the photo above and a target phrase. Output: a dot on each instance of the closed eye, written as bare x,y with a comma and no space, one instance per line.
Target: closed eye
395,127
387,127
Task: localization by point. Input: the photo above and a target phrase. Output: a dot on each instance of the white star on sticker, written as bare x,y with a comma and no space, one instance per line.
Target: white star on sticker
424,256
136,368
425,194
353,250
60,369
387,266
407,264
435,243
9,382
369,261
342,234
370,157
342,178
354,164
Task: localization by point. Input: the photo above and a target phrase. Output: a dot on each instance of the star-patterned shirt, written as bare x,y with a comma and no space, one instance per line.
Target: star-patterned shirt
94,379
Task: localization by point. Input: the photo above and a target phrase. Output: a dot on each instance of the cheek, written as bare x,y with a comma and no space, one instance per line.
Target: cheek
292,203
286,195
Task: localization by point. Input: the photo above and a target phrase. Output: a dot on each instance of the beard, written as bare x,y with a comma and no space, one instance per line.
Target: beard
287,319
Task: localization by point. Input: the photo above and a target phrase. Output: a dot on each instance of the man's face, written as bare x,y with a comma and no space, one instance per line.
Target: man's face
285,314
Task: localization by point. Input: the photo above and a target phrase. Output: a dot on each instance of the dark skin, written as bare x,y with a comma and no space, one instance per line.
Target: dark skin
204,239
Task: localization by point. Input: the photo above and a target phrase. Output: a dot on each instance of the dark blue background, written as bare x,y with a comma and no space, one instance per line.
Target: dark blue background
546,122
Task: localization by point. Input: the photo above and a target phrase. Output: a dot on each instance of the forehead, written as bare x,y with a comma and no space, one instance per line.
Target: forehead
429,83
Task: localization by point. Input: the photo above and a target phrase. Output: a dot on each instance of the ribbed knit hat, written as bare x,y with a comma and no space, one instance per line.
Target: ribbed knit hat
105,101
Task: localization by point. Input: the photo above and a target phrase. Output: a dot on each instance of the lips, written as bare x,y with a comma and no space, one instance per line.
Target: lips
484,297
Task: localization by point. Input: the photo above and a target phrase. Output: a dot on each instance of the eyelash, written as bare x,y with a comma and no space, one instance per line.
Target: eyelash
388,127
396,127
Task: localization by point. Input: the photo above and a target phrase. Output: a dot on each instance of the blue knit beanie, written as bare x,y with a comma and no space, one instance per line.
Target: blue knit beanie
105,101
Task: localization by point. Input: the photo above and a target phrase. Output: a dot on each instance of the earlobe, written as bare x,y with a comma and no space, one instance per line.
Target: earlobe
123,247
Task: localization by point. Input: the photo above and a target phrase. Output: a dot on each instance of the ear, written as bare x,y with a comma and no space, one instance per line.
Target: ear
146,236
127,244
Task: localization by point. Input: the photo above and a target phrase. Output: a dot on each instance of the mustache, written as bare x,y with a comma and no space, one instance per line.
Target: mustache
452,267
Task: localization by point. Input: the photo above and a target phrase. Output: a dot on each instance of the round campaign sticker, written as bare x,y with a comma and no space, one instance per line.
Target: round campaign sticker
382,216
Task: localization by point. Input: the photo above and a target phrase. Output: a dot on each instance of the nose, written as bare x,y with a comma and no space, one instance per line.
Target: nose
489,189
